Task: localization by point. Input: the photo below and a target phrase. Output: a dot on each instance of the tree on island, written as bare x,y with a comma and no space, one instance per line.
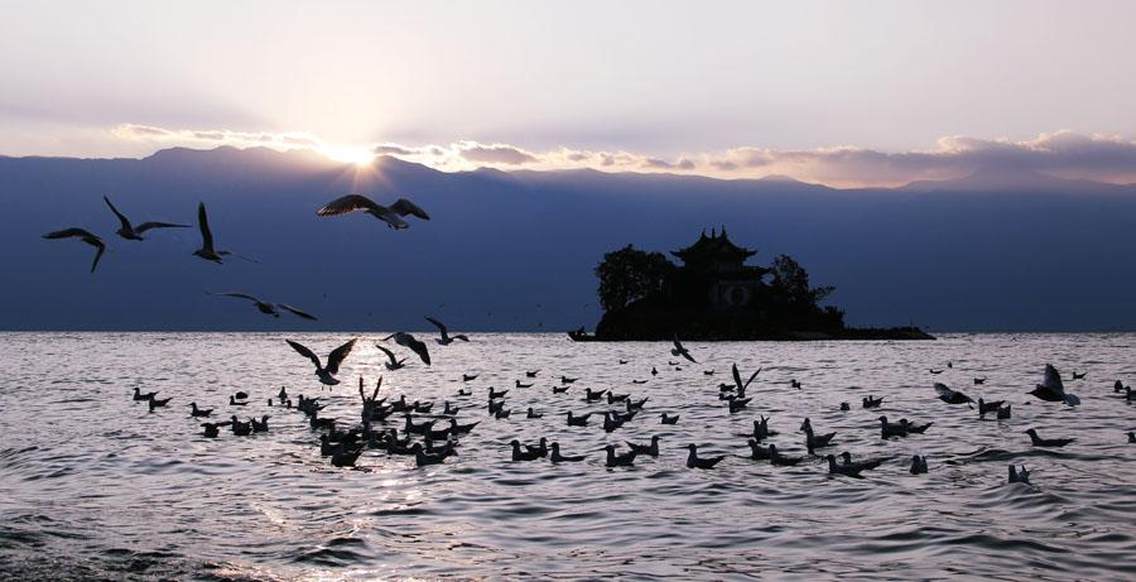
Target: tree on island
794,300
629,274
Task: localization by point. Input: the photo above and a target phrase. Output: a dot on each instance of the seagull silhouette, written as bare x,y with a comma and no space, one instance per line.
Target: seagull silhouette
391,215
334,359
415,345
85,236
446,338
131,232
268,308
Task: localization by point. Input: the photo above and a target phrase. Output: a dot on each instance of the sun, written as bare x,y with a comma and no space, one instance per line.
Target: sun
359,156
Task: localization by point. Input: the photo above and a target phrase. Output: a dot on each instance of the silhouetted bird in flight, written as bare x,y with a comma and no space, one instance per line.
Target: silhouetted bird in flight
327,372
393,363
85,236
392,215
268,308
415,345
207,251
446,338
1052,389
678,350
131,232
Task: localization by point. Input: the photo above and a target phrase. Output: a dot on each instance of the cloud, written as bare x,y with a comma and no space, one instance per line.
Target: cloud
497,154
1101,157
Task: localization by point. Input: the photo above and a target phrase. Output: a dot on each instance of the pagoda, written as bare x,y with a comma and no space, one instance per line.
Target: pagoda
714,273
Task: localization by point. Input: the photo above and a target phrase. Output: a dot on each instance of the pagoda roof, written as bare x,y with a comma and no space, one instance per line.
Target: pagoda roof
717,245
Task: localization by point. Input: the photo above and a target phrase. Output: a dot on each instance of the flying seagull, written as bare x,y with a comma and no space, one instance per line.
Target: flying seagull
130,232
408,341
207,251
392,215
446,338
394,362
678,350
334,359
85,236
269,308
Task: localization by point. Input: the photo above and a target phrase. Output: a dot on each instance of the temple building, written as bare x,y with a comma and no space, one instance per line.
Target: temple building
714,274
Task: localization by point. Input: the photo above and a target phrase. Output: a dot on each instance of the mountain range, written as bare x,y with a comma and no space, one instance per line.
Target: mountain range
516,250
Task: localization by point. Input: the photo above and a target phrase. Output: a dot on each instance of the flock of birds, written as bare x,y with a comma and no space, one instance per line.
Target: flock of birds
431,436
430,433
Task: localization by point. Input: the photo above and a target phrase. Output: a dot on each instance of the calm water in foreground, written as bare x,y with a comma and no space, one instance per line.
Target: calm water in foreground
91,485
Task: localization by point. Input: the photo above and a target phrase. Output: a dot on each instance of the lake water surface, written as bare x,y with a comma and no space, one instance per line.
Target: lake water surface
93,486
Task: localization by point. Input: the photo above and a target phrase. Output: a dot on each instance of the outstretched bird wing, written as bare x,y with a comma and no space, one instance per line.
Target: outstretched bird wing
441,326
152,225
238,295
69,233
296,312
122,219
681,351
390,354
348,203
304,351
1053,380
203,226
404,207
337,356
100,249
408,341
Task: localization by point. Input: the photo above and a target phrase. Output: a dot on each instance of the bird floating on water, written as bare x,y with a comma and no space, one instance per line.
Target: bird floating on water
664,418
1037,441
693,461
198,412
1019,476
951,396
558,457
918,465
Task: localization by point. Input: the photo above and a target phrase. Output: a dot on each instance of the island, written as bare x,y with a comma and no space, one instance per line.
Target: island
714,295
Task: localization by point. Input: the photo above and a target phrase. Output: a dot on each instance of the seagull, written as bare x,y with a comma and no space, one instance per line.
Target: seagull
678,350
469,377
211,431
138,395
158,403
1052,389
918,465
979,381
130,232
207,251
694,462
394,362
623,460
1080,376
870,402
1004,412
198,412
951,396
85,236
741,387
1131,437
557,457
532,374
664,419
417,346
446,338
985,407
776,458
526,454
268,308
649,450
574,420
1040,442
849,470
567,380
334,359
1021,476
935,372
392,215
846,459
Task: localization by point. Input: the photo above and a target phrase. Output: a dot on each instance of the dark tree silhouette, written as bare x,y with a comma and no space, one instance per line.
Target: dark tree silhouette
630,274
791,281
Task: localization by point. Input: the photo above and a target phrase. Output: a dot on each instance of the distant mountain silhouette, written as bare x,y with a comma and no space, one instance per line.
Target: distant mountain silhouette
517,250
1011,180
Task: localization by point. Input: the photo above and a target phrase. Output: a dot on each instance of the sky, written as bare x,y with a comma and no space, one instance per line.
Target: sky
836,92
